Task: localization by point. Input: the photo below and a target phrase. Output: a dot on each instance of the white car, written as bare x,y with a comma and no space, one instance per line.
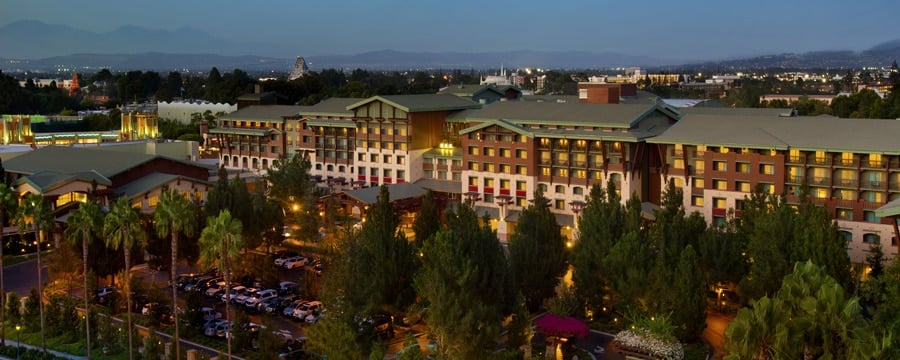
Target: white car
210,314
235,291
304,310
289,310
280,261
148,308
214,327
215,289
295,262
253,300
242,297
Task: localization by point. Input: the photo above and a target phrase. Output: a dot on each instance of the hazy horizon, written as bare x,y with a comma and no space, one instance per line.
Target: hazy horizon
685,30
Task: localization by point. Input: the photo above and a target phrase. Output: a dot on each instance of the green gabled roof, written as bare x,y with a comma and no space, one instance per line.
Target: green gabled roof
330,107
150,182
342,123
401,191
501,123
466,90
45,181
71,160
568,113
590,135
264,112
890,209
446,186
421,102
776,132
241,131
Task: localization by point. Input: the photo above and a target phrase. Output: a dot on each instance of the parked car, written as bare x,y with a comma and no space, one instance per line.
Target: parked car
303,310
242,297
279,261
287,287
148,308
289,309
212,327
214,289
295,262
210,313
237,290
314,317
252,302
104,294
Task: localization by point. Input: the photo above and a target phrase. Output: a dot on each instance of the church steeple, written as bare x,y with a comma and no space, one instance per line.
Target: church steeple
73,89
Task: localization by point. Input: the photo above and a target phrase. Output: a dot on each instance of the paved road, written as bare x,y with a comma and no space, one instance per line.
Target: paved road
21,277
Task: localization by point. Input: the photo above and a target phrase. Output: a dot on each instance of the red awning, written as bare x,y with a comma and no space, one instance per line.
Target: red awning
562,326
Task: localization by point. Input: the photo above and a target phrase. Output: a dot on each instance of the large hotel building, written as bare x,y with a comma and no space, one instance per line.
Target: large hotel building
497,154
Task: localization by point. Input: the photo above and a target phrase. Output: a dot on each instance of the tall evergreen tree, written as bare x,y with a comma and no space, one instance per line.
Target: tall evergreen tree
600,227
428,220
689,310
465,279
537,252
378,262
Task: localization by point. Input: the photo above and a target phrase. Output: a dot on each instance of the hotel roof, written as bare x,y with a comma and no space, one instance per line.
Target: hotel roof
421,102
330,107
264,112
76,160
552,113
775,132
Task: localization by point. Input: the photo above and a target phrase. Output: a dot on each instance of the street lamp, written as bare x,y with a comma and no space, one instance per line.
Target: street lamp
18,344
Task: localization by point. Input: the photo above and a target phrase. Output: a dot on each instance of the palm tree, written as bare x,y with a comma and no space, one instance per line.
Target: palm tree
35,212
174,215
83,226
122,227
220,243
7,202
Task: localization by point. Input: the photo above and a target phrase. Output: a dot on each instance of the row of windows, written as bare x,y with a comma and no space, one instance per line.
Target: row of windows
502,168
389,145
384,129
504,152
387,173
495,137
442,175
443,162
385,158
330,167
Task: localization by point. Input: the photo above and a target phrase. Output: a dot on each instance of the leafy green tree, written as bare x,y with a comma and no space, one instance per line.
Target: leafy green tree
465,280
35,213
296,191
721,252
537,252
220,244
84,226
174,215
122,228
428,221
809,317
12,307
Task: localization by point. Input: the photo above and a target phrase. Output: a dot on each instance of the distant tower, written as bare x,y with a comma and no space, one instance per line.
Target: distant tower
73,89
300,69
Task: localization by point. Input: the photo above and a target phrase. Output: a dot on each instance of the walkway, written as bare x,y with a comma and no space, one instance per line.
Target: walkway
57,353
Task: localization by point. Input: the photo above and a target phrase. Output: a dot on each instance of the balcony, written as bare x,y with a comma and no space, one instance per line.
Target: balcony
579,164
840,162
820,180
872,184
845,182
874,164
795,160
794,179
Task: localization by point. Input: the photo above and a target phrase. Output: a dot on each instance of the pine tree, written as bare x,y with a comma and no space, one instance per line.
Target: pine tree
428,221
537,252
465,279
689,311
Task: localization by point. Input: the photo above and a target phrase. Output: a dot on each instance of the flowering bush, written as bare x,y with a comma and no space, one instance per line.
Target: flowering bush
641,340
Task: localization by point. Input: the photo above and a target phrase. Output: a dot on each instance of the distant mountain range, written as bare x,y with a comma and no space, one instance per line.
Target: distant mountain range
34,45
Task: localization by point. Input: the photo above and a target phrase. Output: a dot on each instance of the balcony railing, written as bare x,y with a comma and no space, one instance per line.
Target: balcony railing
794,179
845,182
795,159
820,180
845,162
873,184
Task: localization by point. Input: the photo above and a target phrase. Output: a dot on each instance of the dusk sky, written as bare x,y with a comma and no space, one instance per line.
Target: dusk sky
683,29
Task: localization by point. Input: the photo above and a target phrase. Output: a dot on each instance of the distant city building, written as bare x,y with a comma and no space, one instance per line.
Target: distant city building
182,111
300,69
793,98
